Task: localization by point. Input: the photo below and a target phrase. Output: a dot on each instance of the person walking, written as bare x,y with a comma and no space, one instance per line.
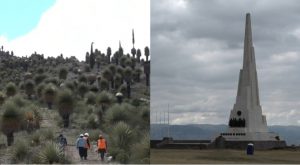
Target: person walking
80,144
62,142
87,145
102,147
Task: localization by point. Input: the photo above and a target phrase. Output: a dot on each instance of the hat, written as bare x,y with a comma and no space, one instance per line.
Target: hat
100,136
86,134
81,135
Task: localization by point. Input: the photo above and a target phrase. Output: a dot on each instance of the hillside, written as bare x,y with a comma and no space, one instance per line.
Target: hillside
291,134
41,98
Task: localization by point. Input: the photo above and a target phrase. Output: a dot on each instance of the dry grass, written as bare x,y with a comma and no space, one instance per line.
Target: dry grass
170,156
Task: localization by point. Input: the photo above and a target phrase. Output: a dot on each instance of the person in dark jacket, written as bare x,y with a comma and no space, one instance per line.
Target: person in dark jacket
80,144
87,146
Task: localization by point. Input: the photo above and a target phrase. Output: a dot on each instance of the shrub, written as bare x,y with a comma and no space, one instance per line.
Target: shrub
116,114
82,89
39,78
82,79
48,134
63,73
39,90
90,98
141,151
20,151
2,98
11,89
35,138
29,88
104,85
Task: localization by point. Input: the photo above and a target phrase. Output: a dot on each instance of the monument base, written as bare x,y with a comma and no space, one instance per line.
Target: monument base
222,142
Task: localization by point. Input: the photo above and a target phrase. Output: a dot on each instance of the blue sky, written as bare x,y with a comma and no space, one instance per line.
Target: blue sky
52,27
19,17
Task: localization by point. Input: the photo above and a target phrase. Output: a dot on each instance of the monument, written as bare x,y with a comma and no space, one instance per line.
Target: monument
246,122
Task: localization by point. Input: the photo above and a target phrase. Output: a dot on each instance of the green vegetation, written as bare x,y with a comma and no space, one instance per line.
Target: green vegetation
41,98
224,156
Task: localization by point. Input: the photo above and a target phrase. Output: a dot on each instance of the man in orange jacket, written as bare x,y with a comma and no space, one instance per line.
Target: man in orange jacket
102,146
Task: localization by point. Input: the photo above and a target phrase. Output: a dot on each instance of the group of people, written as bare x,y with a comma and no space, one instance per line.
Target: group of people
83,144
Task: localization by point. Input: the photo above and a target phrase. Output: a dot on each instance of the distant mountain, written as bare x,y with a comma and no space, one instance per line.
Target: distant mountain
291,134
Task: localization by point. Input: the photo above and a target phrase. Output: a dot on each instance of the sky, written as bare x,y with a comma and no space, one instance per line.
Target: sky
52,27
197,48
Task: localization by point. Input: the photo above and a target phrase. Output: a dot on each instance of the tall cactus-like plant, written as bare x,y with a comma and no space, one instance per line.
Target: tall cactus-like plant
108,53
49,94
128,76
107,74
65,103
138,54
113,70
147,53
92,57
29,88
87,58
10,122
147,72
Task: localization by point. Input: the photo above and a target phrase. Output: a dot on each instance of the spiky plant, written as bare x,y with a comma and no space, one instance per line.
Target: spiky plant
90,98
11,89
117,113
137,74
20,151
29,88
121,139
63,73
147,53
122,61
128,76
105,99
39,90
118,80
65,103
82,79
108,53
82,89
107,74
39,78
113,70
147,72
48,134
104,85
51,154
138,54
49,94
141,151
10,122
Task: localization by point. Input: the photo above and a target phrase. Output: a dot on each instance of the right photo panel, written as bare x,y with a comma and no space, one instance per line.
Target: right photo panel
224,81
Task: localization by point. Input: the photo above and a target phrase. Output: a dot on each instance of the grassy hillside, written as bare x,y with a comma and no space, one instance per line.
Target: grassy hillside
43,97
163,156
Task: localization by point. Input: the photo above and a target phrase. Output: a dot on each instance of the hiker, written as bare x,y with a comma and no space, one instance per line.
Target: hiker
87,145
102,146
80,144
62,142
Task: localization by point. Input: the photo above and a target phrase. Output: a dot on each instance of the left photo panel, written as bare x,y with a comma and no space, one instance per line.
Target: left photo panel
75,82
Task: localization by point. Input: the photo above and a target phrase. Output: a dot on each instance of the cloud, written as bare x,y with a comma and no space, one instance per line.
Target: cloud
197,52
70,26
